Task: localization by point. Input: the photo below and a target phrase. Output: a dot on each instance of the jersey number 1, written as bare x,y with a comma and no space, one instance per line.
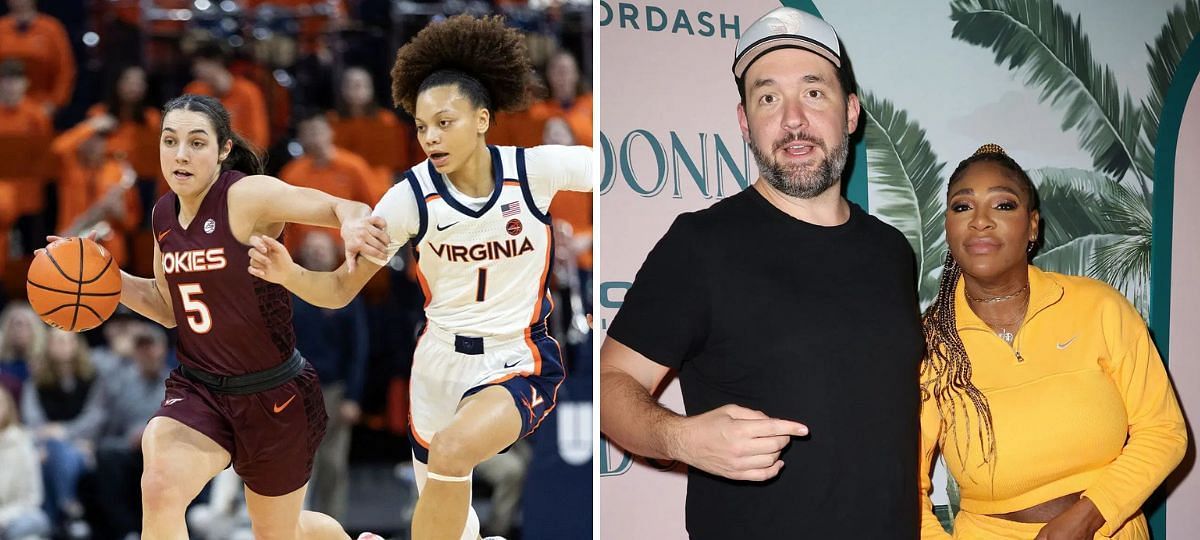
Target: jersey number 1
198,316
479,292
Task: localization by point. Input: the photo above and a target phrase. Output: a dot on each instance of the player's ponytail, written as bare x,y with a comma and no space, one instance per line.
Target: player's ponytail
243,157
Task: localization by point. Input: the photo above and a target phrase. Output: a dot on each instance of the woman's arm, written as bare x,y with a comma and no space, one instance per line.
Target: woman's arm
1157,435
270,260
149,296
931,428
258,202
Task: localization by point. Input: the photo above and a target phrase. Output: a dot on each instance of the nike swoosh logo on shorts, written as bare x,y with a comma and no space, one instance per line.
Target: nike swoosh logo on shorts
507,365
441,228
1066,343
279,408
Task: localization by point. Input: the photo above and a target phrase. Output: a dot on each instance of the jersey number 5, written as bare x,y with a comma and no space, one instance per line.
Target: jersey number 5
198,316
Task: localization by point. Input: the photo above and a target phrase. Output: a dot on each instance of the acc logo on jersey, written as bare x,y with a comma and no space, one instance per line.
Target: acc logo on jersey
210,225
513,226
196,260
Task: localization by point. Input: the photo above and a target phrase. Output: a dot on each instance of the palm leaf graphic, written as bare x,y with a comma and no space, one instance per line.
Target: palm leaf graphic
1096,227
905,180
1183,23
1070,199
1041,41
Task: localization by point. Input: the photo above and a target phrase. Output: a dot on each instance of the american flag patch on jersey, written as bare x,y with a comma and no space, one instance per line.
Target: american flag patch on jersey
510,209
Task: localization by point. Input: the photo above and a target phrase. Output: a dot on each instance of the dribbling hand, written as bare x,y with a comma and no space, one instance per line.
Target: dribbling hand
737,443
269,260
52,239
367,236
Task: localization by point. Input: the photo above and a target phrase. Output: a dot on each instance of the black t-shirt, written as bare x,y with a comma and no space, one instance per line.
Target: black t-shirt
803,322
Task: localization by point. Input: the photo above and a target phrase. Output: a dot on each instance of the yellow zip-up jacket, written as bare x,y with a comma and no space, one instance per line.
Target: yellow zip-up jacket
1080,402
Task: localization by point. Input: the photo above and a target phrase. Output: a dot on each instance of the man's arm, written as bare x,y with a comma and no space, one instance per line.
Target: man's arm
730,441
629,414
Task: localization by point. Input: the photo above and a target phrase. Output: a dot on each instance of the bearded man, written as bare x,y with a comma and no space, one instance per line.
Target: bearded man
792,318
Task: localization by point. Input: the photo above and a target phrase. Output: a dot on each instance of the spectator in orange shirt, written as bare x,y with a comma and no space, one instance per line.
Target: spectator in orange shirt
25,130
361,126
135,139
41,43
520,128
243,99
571,210
94,188
328,168
567,98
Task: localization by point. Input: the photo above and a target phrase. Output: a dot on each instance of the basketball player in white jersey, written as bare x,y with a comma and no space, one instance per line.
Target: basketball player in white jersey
485,372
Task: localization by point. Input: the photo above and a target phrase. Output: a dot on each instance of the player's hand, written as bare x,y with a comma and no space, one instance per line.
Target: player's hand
52,239
269,260
736,442
367,236
1079,522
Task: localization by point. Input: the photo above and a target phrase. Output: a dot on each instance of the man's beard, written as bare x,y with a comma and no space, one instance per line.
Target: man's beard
799,180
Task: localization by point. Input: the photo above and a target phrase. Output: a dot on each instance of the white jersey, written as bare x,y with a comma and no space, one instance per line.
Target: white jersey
483,262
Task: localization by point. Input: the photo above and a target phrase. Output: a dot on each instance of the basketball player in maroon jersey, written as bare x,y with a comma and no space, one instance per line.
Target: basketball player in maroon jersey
242,394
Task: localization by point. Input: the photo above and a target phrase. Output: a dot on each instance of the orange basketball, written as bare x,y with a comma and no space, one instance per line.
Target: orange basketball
74,284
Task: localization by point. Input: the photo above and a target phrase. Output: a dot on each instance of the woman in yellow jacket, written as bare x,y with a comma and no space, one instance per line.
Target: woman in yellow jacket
1043,391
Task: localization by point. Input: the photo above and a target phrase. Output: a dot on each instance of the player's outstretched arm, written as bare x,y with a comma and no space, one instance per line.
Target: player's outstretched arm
267,200
729,441
270,260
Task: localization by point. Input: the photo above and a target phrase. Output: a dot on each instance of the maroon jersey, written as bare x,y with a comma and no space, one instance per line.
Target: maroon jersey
229,322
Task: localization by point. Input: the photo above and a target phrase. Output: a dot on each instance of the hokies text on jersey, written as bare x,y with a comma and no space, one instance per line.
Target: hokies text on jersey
196,260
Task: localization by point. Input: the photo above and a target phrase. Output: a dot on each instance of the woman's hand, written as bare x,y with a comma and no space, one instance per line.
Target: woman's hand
52,239
270,261
1079,522
367,236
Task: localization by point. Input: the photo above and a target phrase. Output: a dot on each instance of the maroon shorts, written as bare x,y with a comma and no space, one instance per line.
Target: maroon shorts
271,435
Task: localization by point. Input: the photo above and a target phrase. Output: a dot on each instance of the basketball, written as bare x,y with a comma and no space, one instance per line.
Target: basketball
74,284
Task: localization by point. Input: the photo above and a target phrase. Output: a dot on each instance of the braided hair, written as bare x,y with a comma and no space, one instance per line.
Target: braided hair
946,369
485,59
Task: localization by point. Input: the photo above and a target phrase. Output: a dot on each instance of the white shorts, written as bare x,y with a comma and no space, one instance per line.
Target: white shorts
448,368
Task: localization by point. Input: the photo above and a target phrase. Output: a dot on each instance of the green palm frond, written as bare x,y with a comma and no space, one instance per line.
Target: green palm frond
1070,199
1183,24
905,178
1040,40
1086,214
1128,211
1075,257
1126,266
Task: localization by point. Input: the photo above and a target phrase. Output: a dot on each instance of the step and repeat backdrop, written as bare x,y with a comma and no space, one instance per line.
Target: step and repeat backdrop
935,82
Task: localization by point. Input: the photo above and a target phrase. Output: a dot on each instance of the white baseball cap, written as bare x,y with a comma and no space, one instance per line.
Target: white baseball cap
786,27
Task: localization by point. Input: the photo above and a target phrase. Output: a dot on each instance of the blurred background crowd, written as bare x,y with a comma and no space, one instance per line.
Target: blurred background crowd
306,81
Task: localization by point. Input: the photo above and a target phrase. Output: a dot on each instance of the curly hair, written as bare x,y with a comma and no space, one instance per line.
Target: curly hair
486,59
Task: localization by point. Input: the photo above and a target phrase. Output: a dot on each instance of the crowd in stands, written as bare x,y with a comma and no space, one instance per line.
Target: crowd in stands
306,81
